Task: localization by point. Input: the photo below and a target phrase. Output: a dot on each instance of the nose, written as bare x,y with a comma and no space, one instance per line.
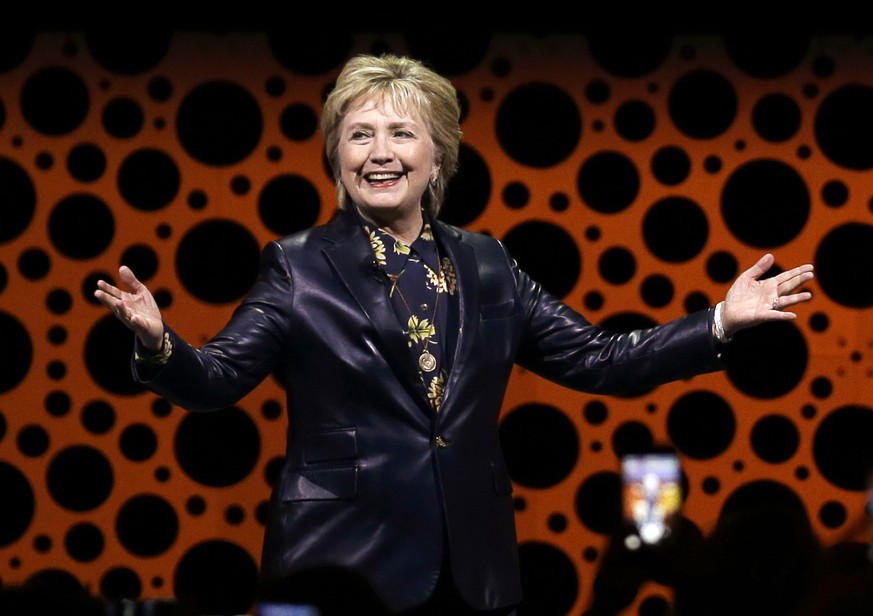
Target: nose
381,151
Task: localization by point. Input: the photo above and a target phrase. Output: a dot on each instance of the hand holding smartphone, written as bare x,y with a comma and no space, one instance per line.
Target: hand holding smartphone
285,609
651,494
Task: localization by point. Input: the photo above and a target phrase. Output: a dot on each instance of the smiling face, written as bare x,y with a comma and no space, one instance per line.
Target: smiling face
386,157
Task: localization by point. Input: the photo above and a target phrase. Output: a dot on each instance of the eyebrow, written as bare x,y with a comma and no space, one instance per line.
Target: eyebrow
400,124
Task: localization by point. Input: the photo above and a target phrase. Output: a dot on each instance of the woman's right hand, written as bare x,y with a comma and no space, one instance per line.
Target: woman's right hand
135,308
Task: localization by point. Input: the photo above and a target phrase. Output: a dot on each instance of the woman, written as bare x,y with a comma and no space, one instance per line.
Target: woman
396,335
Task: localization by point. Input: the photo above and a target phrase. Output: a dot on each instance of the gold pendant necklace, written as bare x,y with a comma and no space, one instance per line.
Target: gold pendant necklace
426,361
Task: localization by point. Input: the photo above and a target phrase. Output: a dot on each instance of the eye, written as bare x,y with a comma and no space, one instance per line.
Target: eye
358,135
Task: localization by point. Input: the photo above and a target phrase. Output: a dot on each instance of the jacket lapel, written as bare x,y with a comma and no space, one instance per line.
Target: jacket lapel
351,256
466,270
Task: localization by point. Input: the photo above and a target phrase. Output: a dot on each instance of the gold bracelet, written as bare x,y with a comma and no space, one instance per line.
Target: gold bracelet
159,357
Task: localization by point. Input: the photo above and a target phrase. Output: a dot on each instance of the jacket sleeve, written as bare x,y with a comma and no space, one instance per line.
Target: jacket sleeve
238,357
561,345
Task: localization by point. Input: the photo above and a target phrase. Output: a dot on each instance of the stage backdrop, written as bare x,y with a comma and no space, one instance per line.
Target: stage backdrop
635,177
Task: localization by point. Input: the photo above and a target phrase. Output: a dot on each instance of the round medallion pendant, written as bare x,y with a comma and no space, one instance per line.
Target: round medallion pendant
427,362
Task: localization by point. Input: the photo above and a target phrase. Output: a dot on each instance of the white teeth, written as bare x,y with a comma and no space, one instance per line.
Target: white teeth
382,176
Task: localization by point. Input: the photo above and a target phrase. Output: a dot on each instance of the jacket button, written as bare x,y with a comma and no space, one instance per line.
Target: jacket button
441,442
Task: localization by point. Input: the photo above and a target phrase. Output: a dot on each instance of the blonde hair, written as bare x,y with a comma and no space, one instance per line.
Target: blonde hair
410,86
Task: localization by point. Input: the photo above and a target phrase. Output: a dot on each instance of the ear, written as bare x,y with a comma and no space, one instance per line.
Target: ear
435,172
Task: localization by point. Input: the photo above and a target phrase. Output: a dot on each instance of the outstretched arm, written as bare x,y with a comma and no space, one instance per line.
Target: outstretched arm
751,301
136,308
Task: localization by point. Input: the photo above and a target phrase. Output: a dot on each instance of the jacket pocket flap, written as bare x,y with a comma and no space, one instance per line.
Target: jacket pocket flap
340,444
320,484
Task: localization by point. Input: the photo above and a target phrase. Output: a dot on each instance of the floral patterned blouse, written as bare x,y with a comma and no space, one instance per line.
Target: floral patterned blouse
421,289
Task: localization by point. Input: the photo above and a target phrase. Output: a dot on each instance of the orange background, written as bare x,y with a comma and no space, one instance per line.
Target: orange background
244,58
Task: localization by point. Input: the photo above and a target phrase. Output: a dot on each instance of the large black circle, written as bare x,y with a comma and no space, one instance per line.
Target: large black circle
55,100
19,199
541,445
675,229
17,513
608,181
749,359
219,123
526,243
469,189
539,124
147,525
841,447
217,261
14,366
844,126
80,478
703,103
81,226
837,263
148,179
765,203
218,449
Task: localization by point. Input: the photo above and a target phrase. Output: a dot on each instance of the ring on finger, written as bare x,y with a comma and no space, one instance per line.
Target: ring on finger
776,303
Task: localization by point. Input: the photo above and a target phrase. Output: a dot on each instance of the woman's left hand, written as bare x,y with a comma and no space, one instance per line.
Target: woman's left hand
751,301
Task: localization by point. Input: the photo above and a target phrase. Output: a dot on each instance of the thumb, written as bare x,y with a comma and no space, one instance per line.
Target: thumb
129,279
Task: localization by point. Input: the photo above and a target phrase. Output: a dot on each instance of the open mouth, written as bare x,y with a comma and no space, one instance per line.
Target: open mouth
382,177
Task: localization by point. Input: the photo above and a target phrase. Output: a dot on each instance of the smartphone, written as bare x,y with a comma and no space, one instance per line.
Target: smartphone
651,493
272,608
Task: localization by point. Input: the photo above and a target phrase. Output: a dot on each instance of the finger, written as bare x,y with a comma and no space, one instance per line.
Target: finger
781,315
800,271
107,289
760,267
798,278
784,303
797,298
107,299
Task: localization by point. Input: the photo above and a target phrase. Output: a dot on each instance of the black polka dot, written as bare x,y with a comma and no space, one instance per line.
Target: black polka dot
217,449
218,576
147,525
55,100
765,203
217,260
841,447
16,515
80,478
608,182
539,124
850,242
219,123
701,424
81,226
550,584
289,203
675,229
19,200
702,104
537,246
541,444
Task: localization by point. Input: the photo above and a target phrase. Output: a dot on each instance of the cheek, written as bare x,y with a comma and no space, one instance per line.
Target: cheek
432,163
348,161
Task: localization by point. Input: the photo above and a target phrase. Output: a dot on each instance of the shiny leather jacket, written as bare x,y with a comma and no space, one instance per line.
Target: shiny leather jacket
372,478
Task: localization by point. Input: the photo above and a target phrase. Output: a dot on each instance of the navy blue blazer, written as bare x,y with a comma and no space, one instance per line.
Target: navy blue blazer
372,478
